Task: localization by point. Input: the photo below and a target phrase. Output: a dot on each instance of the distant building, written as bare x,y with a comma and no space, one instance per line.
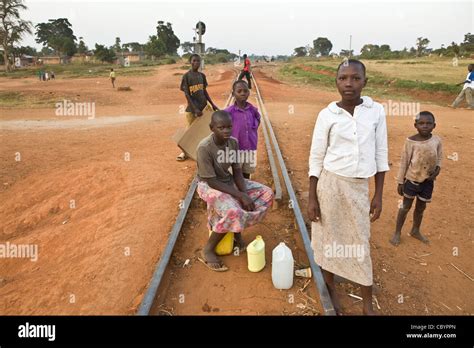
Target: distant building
24,60
82,57
131,57
49,60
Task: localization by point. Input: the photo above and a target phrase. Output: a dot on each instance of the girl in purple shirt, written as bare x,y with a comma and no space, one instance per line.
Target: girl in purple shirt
245,122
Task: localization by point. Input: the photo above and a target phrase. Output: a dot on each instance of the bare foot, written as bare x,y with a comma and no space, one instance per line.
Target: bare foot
417,234
211,260
395,239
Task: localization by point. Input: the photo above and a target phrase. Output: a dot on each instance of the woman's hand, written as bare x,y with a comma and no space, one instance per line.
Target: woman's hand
314,213
375,208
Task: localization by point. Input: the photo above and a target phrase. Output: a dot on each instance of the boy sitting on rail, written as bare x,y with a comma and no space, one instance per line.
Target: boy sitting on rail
233,202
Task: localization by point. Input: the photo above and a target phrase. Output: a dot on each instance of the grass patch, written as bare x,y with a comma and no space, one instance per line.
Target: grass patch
84,70
322,74
9,99
21,100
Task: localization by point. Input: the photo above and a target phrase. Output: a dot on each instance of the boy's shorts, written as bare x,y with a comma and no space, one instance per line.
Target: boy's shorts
423,190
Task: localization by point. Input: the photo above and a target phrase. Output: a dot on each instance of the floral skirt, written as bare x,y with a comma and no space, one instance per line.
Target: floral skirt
224,212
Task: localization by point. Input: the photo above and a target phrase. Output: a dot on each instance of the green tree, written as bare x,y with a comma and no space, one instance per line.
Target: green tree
104,54
300,52
421,44
322,46
166,35
133,47
81,47
12,27
155,47
46,51
468,45
118,45
27,50
187,47
58,35
346,53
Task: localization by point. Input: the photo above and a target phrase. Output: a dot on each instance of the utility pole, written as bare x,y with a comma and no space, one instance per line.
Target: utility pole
350,46
198,45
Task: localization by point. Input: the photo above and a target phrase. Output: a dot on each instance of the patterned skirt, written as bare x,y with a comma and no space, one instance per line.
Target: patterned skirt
340,240
224,212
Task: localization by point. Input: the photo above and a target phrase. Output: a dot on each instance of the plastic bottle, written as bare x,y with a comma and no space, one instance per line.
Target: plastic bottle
256,255
282,267
226,244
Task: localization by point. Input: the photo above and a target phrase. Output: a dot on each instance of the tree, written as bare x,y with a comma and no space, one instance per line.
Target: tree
468,44
104,54
155,47
12,27
300,52
133,46
82,48
187,47
322,46
346,53
58,35
166,35
27,50
370,51
117,46
421,44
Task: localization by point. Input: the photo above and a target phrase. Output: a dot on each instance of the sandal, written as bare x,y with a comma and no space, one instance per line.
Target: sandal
222,267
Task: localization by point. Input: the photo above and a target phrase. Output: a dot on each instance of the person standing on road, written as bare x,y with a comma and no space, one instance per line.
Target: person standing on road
194,86
112,77
467,89
349,146
246,71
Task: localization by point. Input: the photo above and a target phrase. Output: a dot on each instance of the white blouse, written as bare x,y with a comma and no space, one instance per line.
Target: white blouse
350,146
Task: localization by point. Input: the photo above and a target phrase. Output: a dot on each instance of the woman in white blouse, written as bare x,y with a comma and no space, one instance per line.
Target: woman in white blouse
349,146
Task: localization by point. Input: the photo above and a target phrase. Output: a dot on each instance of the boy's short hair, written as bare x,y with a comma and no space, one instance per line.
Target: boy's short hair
219,114
239,82
424,113
194,55
347,62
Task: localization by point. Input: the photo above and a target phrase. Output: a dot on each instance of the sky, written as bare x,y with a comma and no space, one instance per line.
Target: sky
263,27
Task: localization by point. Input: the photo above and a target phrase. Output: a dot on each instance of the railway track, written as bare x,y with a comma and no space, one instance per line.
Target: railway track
178,285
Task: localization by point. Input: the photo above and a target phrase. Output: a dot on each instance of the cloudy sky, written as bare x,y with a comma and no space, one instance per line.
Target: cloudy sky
261,26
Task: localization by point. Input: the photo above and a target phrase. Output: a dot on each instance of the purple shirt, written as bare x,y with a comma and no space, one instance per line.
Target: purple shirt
245,124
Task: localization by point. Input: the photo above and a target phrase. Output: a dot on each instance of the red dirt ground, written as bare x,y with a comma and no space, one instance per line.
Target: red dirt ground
99,257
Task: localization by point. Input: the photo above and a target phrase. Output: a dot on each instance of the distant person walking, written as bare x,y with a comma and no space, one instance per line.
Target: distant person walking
467,90
246,71
112,77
